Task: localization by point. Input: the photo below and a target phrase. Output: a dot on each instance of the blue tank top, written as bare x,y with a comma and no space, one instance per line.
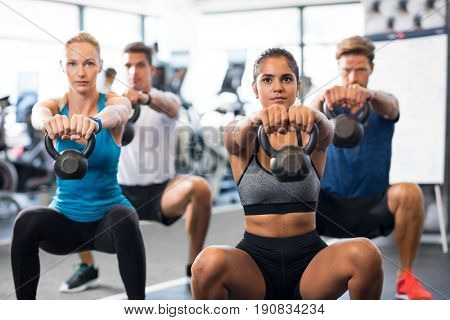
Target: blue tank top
90,198
364,170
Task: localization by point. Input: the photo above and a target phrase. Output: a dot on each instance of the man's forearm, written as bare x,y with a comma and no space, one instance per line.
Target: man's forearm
164,103
385,104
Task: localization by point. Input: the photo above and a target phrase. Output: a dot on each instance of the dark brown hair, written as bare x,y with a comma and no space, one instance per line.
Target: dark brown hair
276,52
139,47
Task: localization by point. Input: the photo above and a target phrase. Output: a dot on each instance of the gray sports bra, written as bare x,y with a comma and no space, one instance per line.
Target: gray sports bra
261,193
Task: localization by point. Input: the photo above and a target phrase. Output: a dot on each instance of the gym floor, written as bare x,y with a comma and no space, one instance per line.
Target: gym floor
167,255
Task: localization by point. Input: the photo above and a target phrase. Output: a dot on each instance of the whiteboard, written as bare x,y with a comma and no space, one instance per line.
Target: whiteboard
415,71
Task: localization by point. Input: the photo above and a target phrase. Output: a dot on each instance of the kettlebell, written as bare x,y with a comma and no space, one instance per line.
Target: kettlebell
128,132
348,127
70,164
290,163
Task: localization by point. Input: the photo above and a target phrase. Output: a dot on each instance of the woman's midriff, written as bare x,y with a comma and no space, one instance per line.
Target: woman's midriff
281,225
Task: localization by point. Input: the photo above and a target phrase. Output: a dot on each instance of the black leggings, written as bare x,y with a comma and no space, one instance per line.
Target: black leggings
45,228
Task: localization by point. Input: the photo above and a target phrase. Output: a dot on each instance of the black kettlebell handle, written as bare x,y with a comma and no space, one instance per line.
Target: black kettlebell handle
136,113
87,151
271,152
362,117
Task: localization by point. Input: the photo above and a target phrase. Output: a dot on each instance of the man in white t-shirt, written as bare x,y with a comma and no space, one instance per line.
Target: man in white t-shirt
147,167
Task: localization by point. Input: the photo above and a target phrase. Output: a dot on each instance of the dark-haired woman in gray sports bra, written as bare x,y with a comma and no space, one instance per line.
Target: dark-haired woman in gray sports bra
281,256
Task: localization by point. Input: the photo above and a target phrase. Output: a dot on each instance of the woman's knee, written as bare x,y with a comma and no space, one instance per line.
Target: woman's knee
27,217
31,223
122,216
364,255
24,217
209,266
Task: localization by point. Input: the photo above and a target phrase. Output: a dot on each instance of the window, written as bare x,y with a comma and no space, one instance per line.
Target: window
324,27
112,29
330,24
243,36
34,48
152,27
38,20
253,29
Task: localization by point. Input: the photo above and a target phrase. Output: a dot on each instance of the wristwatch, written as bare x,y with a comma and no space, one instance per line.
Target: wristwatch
99,123
149,98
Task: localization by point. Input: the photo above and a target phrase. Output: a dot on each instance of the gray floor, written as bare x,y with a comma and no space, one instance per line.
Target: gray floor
167,254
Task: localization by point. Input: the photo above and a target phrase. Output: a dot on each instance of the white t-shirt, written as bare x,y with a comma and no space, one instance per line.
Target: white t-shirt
150,157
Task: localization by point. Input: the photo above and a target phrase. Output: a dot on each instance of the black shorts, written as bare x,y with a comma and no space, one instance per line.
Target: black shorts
282,261
147,201
346,218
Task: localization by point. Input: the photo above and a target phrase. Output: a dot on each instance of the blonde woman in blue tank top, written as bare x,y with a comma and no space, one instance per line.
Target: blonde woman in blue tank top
90,213
281,256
